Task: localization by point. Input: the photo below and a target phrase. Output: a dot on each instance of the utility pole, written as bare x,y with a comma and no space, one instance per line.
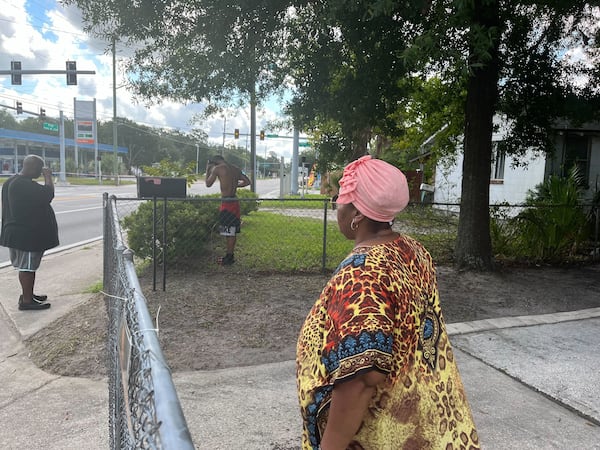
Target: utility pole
114,79
253,137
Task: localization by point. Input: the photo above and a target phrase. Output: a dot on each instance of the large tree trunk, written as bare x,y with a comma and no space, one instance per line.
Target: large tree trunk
360,141
473,245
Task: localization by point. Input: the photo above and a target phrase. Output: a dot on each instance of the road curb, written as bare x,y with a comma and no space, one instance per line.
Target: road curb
477,326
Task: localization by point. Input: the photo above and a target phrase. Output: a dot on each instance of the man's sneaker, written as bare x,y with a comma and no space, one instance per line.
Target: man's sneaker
227,260
33,306
39,298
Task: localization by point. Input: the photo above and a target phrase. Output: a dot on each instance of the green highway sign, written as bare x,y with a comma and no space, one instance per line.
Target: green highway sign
50,126
272,135
303,144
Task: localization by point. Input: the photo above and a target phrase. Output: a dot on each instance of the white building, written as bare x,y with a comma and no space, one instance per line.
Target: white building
510,182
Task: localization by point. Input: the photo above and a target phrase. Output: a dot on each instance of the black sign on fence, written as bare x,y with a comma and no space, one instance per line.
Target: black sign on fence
161,187
155,188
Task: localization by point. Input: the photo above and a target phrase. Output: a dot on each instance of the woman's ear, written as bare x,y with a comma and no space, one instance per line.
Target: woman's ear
357,216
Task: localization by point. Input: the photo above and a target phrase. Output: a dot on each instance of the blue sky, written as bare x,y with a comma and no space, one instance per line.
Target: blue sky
43,34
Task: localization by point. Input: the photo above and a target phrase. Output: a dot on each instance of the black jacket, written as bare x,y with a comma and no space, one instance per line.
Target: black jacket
28,220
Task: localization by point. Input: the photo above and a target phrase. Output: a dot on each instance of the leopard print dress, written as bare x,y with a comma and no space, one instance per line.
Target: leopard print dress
380,311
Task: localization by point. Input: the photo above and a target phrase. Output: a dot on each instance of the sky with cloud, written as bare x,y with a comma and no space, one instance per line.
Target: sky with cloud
43,35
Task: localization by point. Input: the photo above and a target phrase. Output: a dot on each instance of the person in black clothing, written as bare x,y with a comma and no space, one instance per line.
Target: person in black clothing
29,226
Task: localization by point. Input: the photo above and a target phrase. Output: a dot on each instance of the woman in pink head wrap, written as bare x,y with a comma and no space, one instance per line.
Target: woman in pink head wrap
374,365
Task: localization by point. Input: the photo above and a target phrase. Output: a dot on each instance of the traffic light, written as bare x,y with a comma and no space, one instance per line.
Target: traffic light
15,78
71,73
42,113
262,135
19,108
236,133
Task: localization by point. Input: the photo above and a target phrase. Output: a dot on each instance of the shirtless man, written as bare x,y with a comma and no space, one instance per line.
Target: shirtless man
230,178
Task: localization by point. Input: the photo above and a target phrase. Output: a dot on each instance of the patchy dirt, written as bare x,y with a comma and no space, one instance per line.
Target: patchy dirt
210,321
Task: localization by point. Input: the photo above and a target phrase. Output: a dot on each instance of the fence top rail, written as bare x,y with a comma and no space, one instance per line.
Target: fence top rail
174,433
200,198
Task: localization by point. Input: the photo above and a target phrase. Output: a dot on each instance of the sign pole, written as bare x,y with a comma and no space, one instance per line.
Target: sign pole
61,134
75,137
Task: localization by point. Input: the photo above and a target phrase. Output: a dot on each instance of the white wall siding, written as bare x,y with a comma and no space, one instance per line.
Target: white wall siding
512,189
518,180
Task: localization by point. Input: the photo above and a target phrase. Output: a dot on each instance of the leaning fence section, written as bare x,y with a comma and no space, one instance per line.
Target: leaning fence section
144,409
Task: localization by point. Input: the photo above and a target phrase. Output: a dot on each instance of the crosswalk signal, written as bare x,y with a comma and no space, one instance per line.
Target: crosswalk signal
42,113
262,135
71,73
19,108
236,133
15,78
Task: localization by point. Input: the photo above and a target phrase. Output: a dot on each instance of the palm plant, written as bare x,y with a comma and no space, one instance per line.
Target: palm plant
554,224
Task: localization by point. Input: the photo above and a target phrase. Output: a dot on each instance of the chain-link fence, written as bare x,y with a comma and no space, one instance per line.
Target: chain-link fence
281,236
144,410
277,236
301,235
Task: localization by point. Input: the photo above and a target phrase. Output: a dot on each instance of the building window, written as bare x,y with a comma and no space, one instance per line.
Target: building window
498,158
577,154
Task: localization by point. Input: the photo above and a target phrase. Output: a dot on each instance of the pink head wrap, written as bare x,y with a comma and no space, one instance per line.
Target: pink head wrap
377,189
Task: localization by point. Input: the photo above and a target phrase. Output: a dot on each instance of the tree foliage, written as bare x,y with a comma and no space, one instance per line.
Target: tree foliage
363,68
512,59
197,50
345,64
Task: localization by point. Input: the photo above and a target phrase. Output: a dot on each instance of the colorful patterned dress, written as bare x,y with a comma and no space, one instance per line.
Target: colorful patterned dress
380,311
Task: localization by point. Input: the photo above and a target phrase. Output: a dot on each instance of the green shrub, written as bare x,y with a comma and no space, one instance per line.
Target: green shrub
555,224
502,232
248,201
188,229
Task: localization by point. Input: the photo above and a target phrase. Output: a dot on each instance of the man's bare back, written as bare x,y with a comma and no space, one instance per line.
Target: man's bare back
230,177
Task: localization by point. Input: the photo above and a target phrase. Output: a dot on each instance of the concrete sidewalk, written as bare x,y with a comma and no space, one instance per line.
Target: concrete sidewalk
532,381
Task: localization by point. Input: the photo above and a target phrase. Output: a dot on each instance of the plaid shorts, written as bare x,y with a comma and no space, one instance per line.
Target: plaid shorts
25,261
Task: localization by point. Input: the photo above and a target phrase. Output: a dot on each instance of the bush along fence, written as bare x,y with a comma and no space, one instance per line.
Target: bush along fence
301,235
144,409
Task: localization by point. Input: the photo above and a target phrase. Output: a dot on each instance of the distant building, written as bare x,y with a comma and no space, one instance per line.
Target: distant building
16,145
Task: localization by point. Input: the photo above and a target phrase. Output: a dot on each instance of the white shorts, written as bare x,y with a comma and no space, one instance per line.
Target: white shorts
25,261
